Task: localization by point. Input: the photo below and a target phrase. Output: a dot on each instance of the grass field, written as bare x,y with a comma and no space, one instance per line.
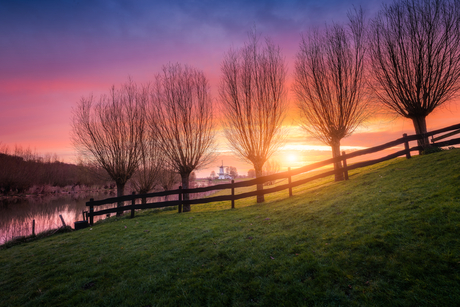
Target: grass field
390,236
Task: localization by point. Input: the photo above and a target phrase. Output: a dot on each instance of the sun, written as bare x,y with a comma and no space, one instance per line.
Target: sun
291,157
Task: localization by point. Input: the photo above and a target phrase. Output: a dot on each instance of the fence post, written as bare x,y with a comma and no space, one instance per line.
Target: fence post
91,211
289,180
406,146
133,202
233,194
62,220
345,171
33,228
180,199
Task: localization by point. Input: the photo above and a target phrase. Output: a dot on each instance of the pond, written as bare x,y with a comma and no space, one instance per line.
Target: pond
17,214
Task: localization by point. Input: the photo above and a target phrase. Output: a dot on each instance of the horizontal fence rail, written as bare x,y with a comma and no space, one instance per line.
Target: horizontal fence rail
282,175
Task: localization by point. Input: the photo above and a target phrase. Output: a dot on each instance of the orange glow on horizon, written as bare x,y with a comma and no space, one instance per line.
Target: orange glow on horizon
292,157
46,128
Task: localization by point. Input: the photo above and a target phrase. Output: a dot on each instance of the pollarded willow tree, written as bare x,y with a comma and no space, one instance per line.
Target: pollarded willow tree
151,161
415,57
253,99
151,164
168,178
329,83
181,118
109,132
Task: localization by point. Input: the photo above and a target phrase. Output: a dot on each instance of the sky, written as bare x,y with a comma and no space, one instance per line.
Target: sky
52,53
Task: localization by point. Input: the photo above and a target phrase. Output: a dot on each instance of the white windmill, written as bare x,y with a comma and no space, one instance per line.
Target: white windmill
222,174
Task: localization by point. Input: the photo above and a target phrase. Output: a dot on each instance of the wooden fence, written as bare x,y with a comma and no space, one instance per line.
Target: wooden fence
282,175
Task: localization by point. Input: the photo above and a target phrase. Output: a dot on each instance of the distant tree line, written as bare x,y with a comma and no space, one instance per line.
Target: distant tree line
406,60
25,172
22,170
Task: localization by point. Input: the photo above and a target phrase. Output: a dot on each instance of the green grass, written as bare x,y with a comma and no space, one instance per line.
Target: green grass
390,236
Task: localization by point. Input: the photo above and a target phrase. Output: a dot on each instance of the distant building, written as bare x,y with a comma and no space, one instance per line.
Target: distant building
222,174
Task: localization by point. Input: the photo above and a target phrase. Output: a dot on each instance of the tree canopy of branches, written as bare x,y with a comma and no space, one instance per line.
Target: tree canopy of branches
253,99
213,175
271,167
181,118
330,84
168,178
109,132
415,57
151,162
232,171
151,166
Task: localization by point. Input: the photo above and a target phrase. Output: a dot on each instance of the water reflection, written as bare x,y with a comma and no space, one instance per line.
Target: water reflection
16,215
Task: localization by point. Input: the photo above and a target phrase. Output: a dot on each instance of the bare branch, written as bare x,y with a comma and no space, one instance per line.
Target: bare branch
329,82
110,132
415,57
181,119
253,99
152,159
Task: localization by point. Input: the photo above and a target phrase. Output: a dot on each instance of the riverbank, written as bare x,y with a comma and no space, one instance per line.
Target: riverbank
23,215
45,191
30,238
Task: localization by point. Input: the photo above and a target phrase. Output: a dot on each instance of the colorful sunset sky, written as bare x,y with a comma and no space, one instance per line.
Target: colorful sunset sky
54,52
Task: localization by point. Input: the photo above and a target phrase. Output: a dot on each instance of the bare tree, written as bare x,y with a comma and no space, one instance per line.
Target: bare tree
150,169
168,178
415,57
232,171
271,167
181,118
253,99
151,162
91,174
213,175
110,132
330,85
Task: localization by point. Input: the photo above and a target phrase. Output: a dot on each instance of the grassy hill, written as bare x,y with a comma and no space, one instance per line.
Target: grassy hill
390,236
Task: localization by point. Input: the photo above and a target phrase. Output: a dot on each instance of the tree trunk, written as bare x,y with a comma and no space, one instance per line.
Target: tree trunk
185,185
337,165
144,199
420,128
120,192
260,186
166,189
